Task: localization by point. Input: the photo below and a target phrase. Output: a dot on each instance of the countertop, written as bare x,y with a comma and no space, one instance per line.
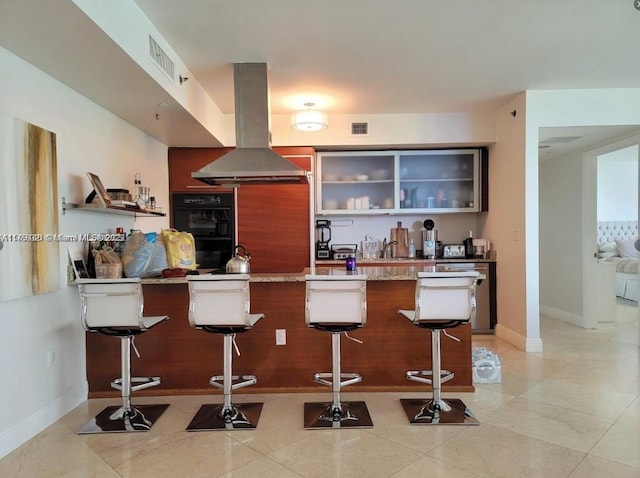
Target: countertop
401,260
374,273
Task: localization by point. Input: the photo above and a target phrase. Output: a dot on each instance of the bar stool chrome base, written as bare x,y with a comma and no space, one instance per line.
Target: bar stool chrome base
116,419
228,415
326,415
445,412
436,294
126,417
219,417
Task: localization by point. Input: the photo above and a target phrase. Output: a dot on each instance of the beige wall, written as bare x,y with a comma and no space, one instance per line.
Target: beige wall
505,223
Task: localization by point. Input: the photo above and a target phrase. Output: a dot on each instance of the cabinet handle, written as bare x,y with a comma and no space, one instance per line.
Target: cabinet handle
199,187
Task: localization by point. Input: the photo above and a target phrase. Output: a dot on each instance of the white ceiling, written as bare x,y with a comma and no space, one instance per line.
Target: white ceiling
408,56
353,57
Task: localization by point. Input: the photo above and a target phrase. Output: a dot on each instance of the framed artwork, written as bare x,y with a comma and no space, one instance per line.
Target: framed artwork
101,192
29,259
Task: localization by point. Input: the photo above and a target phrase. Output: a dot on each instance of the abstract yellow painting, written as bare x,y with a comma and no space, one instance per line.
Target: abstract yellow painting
29,259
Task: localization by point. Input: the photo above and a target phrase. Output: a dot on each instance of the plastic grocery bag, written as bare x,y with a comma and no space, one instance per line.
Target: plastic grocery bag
144,255
181,249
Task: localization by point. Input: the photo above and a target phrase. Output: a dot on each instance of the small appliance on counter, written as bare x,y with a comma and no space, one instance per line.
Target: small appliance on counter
453,251
323,234
429,240
481,248
343,251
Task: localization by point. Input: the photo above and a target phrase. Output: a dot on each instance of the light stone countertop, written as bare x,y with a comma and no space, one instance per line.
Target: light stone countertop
373,273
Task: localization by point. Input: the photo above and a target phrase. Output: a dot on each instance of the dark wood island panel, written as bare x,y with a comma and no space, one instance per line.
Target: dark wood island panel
185,358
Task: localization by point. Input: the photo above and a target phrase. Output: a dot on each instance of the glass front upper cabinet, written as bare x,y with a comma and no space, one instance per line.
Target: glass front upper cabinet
356,182
439,180
396,182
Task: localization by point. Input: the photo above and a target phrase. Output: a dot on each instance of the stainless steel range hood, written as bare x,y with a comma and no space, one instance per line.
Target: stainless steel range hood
253,161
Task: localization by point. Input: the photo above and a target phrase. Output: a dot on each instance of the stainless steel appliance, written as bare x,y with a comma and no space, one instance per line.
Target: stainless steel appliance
343,251
482,322
429,240
211,220
453,251
239,264
323,234
253,161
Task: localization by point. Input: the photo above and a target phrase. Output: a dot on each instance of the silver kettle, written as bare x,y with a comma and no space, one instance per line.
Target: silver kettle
239,264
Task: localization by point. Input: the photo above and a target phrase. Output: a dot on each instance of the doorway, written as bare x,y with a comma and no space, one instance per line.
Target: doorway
568,224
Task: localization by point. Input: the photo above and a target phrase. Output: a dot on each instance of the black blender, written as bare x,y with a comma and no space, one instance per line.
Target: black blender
323,234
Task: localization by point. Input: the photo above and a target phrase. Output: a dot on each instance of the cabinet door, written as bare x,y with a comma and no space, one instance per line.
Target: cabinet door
184,161
361,182
439,181
274,220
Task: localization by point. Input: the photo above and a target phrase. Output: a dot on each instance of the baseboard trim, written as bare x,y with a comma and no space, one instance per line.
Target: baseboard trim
562,315
520,341
26,429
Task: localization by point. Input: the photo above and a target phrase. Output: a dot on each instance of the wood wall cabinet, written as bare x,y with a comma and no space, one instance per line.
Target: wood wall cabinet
273,220
184,161
402,182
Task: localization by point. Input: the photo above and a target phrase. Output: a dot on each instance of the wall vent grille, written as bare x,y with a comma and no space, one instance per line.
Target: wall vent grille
161,59
359,129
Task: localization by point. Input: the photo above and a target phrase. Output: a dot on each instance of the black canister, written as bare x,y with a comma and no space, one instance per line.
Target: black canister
468,246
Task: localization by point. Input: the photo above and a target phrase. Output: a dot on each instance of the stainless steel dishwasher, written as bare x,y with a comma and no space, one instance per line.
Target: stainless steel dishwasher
481,324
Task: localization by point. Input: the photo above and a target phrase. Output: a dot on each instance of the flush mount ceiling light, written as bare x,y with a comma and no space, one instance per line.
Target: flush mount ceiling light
309,119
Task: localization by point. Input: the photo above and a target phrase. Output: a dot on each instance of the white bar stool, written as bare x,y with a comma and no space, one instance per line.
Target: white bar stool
220,304
114,307
443,300
336,304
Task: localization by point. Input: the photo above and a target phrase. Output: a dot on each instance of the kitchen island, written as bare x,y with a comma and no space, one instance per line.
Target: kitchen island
186,358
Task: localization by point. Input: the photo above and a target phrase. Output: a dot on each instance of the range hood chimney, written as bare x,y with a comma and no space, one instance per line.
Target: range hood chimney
253,161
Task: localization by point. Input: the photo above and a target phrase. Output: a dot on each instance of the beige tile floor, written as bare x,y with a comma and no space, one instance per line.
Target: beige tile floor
572,411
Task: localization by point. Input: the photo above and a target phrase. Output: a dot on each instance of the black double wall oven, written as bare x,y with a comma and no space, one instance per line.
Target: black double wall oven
210,217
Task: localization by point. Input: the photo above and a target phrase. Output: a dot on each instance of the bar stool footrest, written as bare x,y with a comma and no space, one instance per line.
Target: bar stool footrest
319,415
143,382
139,418
346,378
451,411
218,417
421,376
240,381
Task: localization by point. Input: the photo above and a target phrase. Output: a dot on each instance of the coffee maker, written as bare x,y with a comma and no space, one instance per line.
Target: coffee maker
323,235
429,240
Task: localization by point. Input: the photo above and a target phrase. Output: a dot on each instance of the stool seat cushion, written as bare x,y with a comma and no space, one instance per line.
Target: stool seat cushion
336,327
224,329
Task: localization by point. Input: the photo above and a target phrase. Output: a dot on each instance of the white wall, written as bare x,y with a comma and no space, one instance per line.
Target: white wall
560,236
88,139
452,228
618,185
391,130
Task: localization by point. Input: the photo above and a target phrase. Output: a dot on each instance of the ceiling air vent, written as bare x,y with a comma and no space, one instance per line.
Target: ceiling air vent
359,129
161,59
